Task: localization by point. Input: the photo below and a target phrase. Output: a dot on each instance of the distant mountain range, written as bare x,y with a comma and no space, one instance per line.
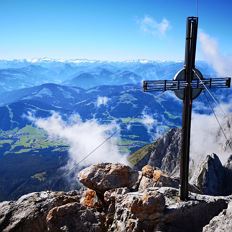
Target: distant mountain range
17,74
105,91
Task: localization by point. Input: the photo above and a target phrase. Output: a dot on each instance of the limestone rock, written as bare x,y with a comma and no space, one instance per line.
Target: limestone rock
111,195
161,179
30,210
106,176
191,215
222,222
138,211
123,209
166,155
149,206
158,179
74,217
228,177
210,177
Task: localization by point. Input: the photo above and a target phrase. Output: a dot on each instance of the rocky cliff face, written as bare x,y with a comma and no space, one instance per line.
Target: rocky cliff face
228,177
166,156
164,153
115,198
210,178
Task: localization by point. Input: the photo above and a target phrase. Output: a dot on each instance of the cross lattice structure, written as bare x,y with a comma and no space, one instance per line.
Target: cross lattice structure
187,85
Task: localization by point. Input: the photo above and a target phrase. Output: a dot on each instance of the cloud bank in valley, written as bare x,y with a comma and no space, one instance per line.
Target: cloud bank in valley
83,137
148,121
206,137
154,127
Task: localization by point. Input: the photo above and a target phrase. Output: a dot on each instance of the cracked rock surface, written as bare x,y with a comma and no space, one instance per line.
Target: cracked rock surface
116,204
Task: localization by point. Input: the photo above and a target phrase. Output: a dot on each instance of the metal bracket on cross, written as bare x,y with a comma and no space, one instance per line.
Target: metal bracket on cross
187,85
178,85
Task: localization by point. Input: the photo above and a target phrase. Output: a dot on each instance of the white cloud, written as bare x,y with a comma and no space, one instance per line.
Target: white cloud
206,137
148,121
221,63
83,137
151,26
102,101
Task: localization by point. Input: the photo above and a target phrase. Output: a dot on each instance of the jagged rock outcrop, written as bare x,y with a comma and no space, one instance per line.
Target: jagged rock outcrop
30,210
189,216
222,222
74,217
163,154
156,178
138,211
112,205
211,176
167,153
228,177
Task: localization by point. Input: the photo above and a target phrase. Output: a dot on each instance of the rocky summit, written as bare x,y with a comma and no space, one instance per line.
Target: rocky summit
117,198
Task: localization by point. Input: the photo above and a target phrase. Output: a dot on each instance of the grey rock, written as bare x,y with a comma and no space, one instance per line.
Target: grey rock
228,177
160,209
222,222
190,215
229,163
121,209
162,181
74,217
157,178
210,177
166,155
138,211
30,210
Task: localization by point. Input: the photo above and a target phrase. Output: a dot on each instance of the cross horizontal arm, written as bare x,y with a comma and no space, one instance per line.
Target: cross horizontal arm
163,85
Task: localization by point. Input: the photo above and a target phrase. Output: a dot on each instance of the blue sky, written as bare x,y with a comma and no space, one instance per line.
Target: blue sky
108,29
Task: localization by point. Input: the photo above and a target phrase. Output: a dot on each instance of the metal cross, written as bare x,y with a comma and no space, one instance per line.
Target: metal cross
187,85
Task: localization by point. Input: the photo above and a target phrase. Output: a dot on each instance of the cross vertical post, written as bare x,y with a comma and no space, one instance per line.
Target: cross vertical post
190,53
187,85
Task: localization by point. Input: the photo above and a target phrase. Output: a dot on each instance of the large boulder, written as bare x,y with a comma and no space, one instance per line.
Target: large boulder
160,209
106,176
138,211
155,209
210,176
75,217
222,222
29,212
112,208
191,215
152,177
157,178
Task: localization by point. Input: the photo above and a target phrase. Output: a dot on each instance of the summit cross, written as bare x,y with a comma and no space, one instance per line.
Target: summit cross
187,85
